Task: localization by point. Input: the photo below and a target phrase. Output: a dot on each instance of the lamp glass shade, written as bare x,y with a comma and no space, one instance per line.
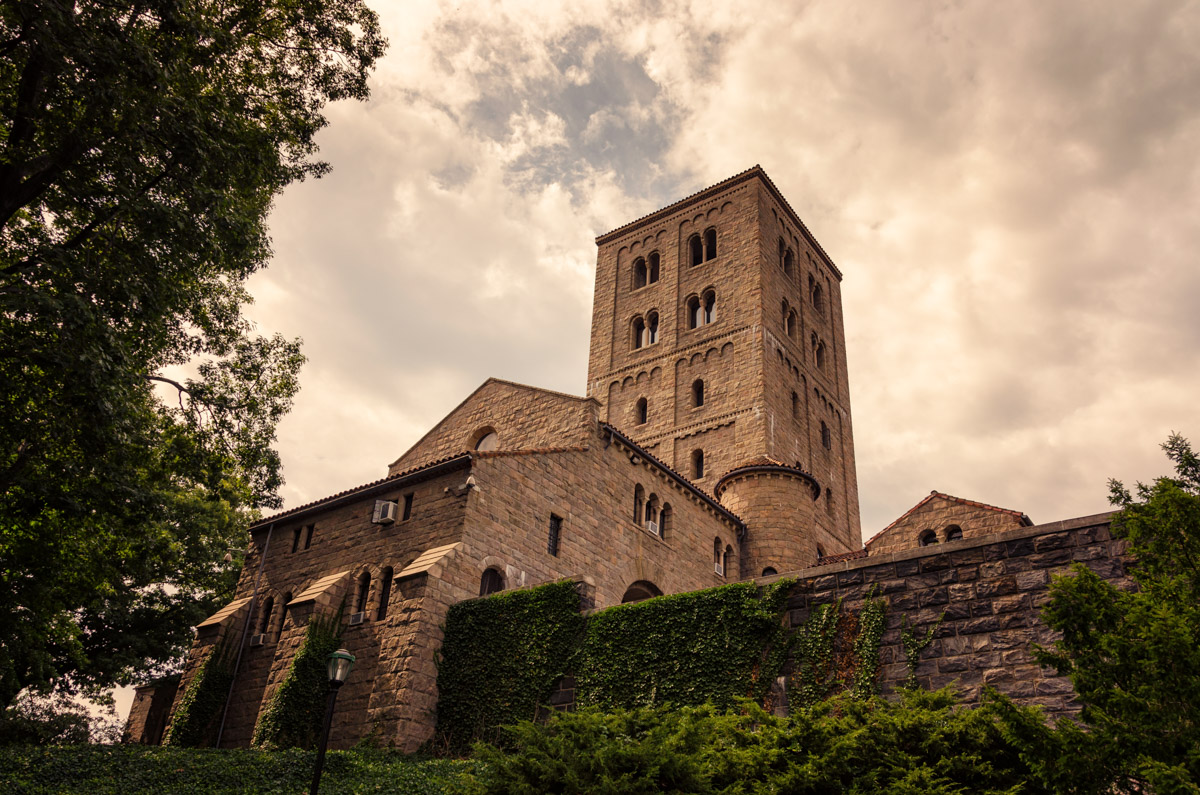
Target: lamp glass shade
340,663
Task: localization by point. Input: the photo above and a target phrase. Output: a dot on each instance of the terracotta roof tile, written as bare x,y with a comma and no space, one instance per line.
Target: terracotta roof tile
841,556
935,493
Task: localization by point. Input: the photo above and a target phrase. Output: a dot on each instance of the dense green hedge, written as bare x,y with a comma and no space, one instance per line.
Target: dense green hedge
716,645
121,770
294,716
501,657
195,721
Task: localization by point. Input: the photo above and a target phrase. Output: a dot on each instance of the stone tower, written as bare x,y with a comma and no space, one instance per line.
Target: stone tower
718,346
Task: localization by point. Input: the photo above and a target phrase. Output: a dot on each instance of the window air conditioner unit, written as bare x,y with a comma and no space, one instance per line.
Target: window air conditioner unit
652,527
258,640
719,569
358,618
385,512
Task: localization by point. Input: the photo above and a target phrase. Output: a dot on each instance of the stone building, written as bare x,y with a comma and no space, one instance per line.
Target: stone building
714,444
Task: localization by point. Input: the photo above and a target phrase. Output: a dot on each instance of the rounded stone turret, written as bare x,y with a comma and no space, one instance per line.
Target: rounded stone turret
778,504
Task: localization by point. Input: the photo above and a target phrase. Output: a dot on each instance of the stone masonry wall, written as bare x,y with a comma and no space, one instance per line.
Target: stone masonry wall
937,512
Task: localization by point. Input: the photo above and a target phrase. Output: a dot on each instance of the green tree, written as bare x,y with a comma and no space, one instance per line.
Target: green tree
141,145
1134,655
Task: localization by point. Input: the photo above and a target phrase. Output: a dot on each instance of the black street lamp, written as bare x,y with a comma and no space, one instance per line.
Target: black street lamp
340,663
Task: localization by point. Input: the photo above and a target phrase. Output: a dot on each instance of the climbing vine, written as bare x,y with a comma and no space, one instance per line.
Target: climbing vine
501,658
294,715
815,676
715,645
914,644
194,723
872,621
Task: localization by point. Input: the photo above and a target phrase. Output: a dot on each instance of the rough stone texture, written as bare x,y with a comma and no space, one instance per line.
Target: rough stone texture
148,715
937,513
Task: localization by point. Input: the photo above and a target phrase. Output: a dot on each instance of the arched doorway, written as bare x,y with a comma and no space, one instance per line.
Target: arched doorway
640,590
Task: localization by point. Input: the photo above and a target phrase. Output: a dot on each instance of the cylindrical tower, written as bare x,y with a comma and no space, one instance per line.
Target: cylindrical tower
777,502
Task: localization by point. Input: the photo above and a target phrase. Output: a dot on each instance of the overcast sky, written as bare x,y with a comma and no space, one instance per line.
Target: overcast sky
1012,191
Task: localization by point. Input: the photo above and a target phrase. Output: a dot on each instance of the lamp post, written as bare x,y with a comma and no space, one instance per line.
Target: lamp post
340,663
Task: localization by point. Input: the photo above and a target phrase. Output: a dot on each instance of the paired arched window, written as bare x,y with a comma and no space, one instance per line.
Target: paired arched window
641,412
645,270
645,331
786,259
953,533
491,582
789,320
702,249
264,615
362,591
639,500
826,436
651,328
697,464
927,538
385,592
698,392
702,309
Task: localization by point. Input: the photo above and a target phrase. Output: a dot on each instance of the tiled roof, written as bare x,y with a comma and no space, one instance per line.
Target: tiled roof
763,462
937,494
841,556
530,451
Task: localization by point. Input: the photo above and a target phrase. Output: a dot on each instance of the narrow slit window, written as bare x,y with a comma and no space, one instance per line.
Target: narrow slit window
639,497
308,534
408,501
264,615
555,534
710,244
697,464
639,273
362,592
296,539
385,592
641,412
652,275
698,393
695,250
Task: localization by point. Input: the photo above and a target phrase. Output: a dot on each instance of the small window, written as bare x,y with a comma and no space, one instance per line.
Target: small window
296,539
829,501
789,323
639,273
697,464
826,436
385,592
769,571
695,250
652,514
953,533
818,299
698,392
727,560
664,520
820,355
408,499
788,262
782,250
491,582
283,606
652,276
555,534
710,244
695,315
820,552
641,412
489,441
639,499
795,406
718,558
927,538
651,328
362,592
308,534
639,332
264,615
710,307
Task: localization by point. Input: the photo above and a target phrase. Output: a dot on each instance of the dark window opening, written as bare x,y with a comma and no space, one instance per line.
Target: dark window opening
641,411
695,250
727,560
818,299
769,571
308,534
953,533
826,436
695,316
362,592
698,392
264,615
491,582
710,307
296,539
698,464
795,406
639,497
408,499
927,538
664,520
820,354
718,563
555,534
789,323
787,262
710,244
651,328
639,332
829,501
283,606
820,552
652,276
639,273
639,591
385,592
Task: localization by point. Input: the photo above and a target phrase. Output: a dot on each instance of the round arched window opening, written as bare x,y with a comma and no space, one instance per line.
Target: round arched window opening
491,582
927,538
769,571
640,591
486,440
953,533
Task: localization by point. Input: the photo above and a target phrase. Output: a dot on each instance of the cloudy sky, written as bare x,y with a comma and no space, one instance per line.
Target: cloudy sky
1012,191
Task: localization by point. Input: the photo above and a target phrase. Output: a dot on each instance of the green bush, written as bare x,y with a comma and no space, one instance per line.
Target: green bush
919,744
294,716
120,770
502,656
194,722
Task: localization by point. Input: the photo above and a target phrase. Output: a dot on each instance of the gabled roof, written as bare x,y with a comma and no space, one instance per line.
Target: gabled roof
842,556
712,190
935,494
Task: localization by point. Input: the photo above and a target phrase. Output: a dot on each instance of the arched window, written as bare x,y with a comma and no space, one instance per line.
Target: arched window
698,392
795,406
664,520
788,262
953,533
727,560
639,591
362,591
491,582
789,323
264,615
695,316
651,328
652,275
639,499
652,514
718,563
818,299
927,538
820,354
782,249
826,436
710,307
385,593
695,250
697,464
283,606
488,440
820,552
710,244
639,332
639,273
641,412
769,571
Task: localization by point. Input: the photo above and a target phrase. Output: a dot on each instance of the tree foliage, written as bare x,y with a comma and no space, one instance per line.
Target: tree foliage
141,145
1134,655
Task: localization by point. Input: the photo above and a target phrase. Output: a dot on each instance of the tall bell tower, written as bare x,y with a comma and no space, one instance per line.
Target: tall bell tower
718,345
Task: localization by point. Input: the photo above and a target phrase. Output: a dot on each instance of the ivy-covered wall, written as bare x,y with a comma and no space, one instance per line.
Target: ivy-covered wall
293,717
194,722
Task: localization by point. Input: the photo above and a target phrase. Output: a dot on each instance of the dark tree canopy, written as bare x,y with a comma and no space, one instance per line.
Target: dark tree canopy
141,146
